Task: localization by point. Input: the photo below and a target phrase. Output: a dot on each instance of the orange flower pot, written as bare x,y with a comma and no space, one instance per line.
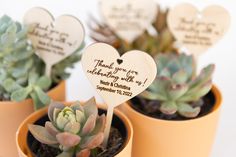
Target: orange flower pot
21,135
13,113
162,138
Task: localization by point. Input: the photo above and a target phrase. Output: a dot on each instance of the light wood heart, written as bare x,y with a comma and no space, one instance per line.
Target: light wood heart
117,78
54,40
198,31
129,18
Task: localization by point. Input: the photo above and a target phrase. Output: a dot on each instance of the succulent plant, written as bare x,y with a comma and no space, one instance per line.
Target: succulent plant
75,129
162,40
176,85
21,71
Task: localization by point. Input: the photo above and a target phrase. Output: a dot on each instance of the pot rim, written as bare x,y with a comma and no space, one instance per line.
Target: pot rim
218,101
39,113
29,99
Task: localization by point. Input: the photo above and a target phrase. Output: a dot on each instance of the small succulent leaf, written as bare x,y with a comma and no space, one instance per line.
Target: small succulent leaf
153,96
56,111
33,77
83,153
22,80
90,107
21,94
196,95
100,124
168,107
76,106
41,134
53,106
61,121
204,76
89,125
44,82
67,139
188,111
22,55
37,103
51,129
188,64
10,85
165,72
157,90
80,117
92,142
43,97
176,91
65,154
7,39
180,77
72,127
173,66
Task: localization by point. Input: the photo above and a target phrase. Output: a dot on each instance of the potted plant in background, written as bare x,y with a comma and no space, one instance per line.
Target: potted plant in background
22,81
160,41
177,115
73,130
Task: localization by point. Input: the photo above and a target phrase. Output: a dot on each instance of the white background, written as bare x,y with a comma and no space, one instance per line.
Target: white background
223,54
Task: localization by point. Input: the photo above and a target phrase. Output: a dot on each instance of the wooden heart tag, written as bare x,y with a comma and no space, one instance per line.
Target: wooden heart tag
117,78
198,31
129,18
54,40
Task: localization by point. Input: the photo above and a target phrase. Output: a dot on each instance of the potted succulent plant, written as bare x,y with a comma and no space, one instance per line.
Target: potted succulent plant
23,85
177,115
73,130
160,42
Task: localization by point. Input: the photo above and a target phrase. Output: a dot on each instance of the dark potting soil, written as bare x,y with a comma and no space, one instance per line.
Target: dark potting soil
151,108
116,142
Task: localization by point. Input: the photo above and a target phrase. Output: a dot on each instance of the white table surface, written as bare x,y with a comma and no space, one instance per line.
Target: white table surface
223,55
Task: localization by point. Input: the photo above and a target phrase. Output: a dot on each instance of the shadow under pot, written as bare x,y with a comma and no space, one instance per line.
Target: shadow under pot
119,144
154,136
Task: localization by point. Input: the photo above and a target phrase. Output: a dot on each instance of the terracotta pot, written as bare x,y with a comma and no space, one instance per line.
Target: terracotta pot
21,135
163,138
13,113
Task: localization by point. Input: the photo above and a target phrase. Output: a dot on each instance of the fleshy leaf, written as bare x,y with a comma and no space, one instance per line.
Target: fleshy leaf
92,141
67,139
41,134
51,129
188,111
100,124
21,94
44,82
72,127
168,107
83,153
89,125
51,108
43,97
80,117
176,91
90,107
10,85
180,77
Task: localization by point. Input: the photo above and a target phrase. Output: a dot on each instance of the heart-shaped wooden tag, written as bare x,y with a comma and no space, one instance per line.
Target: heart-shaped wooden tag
117,78
129,18
198,31
54,40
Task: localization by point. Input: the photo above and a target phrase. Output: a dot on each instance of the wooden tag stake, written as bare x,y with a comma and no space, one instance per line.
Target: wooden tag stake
54,40
129,18
117,78
196,30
